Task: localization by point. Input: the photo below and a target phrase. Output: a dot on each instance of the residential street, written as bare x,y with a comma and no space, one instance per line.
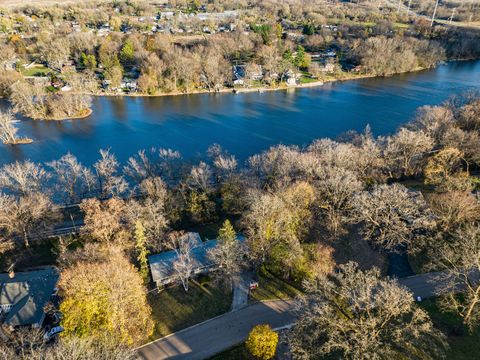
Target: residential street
209,338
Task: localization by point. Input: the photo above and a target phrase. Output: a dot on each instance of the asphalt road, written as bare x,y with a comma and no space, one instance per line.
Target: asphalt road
211,337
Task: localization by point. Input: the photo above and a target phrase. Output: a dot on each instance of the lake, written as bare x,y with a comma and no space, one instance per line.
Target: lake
243,124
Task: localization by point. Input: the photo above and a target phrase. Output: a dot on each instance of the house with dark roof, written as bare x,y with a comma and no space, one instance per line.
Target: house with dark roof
162,264
23,296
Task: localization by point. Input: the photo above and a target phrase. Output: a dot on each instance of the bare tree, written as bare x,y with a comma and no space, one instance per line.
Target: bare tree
8,130
26,217
454,208
406,152
460,261
23,178
110,183
185,263
72,179
104,220
392,215
353,314
335,188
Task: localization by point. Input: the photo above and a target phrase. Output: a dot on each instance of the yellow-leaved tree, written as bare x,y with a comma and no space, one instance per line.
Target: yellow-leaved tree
262,342
105,299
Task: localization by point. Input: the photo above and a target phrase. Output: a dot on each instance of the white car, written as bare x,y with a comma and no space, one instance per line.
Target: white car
52,332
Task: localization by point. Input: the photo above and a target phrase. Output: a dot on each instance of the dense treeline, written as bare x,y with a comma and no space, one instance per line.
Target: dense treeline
440,146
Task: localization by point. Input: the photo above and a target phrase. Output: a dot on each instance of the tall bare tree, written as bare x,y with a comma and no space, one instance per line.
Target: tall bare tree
406,152
392,215
72,179
335,188
23,178
109,181
352,314
185,263
26,217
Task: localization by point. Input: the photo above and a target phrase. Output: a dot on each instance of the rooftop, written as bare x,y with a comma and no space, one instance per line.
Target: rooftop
23,297
161,265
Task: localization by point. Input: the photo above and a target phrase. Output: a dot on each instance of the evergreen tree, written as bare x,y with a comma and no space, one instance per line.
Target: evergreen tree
127,54
142,251
302,59
227,233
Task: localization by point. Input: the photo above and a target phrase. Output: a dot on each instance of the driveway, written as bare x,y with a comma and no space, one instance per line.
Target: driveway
218,334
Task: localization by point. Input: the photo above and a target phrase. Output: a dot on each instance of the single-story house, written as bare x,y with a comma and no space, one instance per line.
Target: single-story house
161,265
23,296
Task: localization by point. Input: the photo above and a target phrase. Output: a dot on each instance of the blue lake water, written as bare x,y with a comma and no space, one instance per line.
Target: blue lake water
243,124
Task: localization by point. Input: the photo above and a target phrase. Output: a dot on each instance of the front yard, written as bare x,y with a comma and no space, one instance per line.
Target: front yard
173,309
271,287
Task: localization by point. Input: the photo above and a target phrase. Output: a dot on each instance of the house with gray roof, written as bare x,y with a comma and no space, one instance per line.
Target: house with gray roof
23,296
162,264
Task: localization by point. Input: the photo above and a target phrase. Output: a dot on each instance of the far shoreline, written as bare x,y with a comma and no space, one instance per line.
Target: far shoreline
347,77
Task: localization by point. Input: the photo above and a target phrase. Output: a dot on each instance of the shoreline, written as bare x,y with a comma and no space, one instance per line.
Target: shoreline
20,141
347,77
243,90
75,117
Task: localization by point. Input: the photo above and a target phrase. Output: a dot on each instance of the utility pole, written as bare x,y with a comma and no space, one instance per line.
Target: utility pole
451,17
434,13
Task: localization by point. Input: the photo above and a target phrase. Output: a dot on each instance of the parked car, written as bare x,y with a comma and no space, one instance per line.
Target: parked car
50,334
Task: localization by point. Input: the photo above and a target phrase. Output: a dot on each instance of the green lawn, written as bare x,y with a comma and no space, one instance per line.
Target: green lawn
462,347
174,309
307,80
272,287
37,70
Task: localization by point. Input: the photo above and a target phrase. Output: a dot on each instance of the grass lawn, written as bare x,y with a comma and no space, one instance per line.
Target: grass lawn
307,80
462,347
37,70
174,309
271,287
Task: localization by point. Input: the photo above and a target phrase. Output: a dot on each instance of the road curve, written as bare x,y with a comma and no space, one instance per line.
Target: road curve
213,336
